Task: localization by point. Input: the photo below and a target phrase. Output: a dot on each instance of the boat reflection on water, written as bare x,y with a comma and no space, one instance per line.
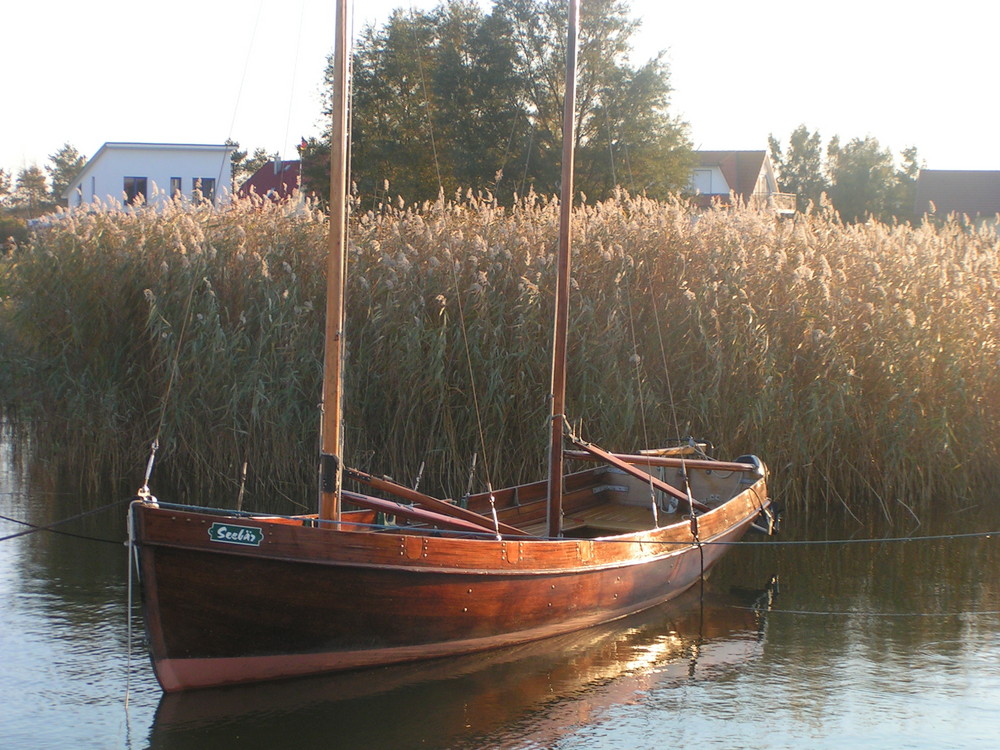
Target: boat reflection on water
541,687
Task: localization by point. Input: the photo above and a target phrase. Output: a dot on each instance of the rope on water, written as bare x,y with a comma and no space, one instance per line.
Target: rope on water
52,526
868,613
872,540
684,543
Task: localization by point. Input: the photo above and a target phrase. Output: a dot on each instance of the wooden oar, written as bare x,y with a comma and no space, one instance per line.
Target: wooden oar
640,474
690,463
440,506
409,511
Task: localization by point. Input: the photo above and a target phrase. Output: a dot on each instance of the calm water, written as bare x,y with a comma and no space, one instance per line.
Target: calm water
870,645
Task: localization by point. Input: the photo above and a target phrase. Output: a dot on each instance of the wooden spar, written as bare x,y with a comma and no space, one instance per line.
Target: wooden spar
654,460
440,506
643,475
561,319
333,375
414,514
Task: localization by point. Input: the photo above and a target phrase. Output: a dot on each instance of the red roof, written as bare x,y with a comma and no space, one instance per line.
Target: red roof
277,180
740,168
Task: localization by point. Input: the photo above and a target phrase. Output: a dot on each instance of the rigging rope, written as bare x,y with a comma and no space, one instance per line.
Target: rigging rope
868,613
239,91
52,526
642,400
472,382
427,102
295,68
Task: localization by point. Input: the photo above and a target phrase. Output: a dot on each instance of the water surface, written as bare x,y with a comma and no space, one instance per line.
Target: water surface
875,645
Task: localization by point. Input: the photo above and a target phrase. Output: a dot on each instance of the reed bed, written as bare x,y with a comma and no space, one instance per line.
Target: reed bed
860,361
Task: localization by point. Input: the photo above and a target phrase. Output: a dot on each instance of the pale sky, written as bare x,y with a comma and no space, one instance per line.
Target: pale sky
909,73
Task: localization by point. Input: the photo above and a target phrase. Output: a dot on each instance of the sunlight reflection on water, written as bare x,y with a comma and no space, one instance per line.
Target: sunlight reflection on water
713,673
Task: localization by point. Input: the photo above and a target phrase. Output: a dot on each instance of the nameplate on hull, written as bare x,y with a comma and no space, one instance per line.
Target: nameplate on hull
228,533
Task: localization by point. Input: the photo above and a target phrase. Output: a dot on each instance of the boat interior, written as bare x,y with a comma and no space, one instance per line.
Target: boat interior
598,501
606,501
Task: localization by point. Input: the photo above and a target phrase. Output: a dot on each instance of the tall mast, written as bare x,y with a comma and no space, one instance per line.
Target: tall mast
333,371
561,321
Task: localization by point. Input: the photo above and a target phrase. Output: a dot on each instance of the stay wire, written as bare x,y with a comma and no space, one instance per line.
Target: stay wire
472,381
239,90
638,384
295,69
427,102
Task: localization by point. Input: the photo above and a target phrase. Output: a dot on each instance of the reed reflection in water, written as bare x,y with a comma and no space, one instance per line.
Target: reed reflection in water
869,645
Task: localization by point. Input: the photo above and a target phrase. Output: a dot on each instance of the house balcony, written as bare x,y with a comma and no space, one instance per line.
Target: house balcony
782,204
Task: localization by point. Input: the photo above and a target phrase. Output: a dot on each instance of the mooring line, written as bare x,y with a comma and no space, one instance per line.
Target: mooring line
871,540
52,526
863,613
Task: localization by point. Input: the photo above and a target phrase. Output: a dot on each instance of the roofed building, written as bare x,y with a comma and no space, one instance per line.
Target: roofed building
973,193
276,180
747,176
134,173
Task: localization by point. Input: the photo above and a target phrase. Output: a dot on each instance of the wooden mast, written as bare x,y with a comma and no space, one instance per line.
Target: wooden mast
333,376
561,320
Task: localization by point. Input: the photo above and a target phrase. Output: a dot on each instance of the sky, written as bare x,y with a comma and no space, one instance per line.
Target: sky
911,73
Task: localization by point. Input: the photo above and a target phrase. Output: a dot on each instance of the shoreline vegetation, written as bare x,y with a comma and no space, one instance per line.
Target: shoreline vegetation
860,361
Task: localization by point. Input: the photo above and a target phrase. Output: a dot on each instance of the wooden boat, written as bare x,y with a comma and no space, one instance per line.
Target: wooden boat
233,597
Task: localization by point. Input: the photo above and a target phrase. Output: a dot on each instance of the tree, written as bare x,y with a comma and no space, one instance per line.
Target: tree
624,133
905,191
64,165
4,186
800,171
862,179
245,166
31,190
458,99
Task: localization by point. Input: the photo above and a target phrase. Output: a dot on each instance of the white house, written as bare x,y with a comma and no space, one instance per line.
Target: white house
747,176
119,173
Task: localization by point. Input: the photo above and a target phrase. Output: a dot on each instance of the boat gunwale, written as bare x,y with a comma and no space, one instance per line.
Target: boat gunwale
505,569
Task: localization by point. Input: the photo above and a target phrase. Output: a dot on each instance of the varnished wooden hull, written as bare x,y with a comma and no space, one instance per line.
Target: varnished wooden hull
307,600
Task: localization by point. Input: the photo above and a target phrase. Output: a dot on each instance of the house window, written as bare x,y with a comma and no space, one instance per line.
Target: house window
701,181
135,190
175,187
206,185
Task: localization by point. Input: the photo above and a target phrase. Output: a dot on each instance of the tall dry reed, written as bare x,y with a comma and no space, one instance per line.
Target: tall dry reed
859,361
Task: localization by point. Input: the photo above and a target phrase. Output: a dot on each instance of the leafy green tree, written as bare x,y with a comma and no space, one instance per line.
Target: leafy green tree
458,99
31,191
244,164
395,117
800,170
624,133
862,179
64,165
4,186
904,193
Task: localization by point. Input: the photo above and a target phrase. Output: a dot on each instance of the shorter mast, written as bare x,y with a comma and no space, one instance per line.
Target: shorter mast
561,322
331,460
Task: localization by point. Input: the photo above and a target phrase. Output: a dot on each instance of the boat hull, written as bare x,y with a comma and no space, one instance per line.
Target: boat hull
278,600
